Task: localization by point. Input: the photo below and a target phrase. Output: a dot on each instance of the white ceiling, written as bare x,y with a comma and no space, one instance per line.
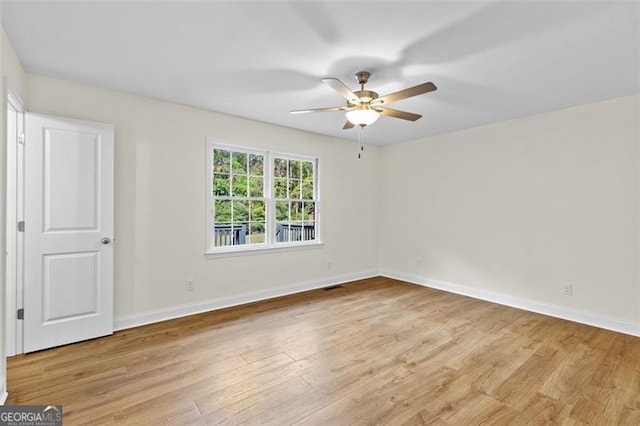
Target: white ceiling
491,61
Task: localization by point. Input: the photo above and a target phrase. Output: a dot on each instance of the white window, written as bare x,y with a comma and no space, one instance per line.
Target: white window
259,199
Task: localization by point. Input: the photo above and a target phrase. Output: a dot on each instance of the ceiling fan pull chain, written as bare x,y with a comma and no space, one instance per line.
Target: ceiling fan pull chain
360,146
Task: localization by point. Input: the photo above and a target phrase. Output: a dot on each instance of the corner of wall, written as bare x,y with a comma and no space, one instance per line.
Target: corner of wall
3,363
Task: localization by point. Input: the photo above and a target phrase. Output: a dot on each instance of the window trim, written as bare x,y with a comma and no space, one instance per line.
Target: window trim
270,224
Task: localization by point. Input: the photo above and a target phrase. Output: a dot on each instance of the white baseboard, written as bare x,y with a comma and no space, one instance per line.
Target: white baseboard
3,397
584,317
135,320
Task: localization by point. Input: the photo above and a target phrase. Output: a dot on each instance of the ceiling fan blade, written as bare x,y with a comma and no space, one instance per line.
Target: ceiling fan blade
348,125
304,111
398,114
341,88
406,93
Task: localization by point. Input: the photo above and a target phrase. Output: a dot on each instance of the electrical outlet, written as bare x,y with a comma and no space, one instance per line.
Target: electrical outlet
329,264
567,289
188,286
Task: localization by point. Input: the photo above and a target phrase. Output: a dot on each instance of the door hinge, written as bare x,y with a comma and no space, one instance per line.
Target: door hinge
21,313
21,226
21,138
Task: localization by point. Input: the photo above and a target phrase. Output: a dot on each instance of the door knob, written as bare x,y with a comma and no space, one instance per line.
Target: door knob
105,240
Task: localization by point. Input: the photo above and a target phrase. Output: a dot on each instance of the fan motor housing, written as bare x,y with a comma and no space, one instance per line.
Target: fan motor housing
365,96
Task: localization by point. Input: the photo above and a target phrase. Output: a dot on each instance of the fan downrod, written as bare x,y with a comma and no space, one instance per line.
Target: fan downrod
365,96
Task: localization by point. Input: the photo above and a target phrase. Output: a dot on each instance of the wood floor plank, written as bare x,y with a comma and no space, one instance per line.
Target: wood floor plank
376,351
254,403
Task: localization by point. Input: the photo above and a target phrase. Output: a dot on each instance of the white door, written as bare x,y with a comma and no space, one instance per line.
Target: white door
68,231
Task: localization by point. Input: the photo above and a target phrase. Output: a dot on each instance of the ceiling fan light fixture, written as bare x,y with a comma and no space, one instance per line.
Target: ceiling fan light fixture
362,115
359,103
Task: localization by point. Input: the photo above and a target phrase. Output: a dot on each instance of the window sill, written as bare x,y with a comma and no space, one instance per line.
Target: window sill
250,251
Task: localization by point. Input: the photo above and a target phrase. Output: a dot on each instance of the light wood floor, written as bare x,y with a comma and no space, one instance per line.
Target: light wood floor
377,351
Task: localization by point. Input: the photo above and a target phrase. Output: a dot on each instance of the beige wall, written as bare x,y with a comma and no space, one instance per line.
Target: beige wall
520,207
160,199
515,208
10,71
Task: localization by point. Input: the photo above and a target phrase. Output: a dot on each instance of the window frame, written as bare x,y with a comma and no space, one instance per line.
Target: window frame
270,243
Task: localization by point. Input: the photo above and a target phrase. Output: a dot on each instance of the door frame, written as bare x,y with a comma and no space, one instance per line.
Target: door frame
14,212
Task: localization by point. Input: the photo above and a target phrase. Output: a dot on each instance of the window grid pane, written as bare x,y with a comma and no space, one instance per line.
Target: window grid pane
294,200
239,208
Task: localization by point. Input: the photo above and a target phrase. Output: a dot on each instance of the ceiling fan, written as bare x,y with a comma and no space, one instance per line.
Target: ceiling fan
365,106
